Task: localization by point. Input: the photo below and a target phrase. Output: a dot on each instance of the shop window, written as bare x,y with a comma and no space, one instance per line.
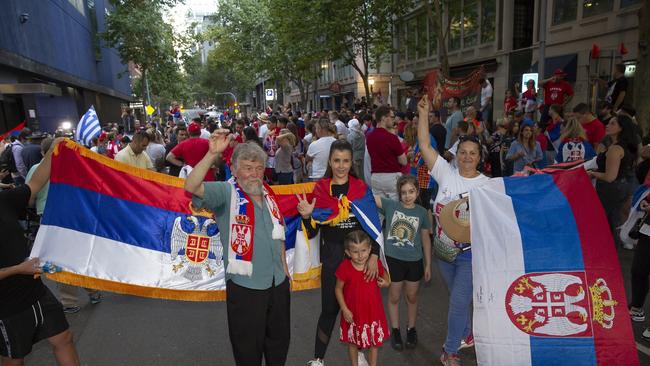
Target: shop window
564,11
595,7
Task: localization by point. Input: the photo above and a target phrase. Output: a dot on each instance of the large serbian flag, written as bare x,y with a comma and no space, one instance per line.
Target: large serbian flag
548,288
114,227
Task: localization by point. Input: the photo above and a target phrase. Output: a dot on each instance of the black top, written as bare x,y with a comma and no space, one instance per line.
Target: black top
31,155
20,291
625,170
173,169
331,238
439,133
615,87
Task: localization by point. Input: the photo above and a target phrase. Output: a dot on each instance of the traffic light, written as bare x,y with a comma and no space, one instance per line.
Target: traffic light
236,104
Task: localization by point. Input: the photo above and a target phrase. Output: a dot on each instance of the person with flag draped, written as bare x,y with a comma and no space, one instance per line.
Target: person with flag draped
454,258
341,204
253,233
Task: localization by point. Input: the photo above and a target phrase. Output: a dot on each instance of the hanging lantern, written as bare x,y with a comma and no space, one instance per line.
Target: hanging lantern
622,49
595,51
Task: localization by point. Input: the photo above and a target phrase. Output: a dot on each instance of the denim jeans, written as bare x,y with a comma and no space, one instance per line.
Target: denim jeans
458,277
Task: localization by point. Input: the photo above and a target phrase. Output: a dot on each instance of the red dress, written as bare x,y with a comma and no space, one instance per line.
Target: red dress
369,327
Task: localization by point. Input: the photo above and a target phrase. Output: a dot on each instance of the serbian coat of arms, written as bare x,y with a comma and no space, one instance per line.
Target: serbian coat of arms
559,304
195,247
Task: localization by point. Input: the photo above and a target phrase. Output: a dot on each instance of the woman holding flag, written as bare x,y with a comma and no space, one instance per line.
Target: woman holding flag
454,258
342,203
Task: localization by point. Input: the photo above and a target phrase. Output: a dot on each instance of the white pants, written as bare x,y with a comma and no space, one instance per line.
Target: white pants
385,184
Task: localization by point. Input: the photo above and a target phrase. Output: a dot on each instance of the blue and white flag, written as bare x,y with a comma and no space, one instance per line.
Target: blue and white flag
88,127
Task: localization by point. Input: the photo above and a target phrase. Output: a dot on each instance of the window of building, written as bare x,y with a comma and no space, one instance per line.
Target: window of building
423,38
411,38
564,11
595,7
488,21
455,25
626,3
433,38
470,23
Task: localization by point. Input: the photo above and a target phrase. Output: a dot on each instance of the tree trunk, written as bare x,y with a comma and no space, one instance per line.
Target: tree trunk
642,73
436,21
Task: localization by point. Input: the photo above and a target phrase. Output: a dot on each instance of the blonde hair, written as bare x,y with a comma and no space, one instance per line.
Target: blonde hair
573,129
410,134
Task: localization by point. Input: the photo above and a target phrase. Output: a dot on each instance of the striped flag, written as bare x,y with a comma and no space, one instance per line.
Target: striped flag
88,127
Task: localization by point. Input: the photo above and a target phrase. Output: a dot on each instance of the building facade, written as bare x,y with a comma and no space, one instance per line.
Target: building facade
504,36
53,65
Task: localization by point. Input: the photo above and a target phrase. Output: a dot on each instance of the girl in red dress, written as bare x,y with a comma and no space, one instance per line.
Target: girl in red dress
363,321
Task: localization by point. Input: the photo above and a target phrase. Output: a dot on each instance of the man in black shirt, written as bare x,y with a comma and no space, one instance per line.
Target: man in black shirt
617,88
181,135
28,310
438,131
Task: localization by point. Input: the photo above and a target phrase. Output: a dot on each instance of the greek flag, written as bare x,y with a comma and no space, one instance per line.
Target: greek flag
88,127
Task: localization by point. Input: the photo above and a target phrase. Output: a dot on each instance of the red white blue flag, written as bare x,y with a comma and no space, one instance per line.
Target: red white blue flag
548,288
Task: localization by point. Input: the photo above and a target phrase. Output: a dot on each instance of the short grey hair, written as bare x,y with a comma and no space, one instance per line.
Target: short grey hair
248,151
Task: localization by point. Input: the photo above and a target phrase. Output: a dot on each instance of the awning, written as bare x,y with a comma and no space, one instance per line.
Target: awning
30,88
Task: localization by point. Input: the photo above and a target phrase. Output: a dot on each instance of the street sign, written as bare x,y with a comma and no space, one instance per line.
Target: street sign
270,94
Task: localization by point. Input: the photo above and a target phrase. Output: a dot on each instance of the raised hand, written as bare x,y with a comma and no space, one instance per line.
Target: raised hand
424,105
305,208
219,141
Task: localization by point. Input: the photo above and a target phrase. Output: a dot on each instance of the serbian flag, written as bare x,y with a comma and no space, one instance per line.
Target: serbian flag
548,288
117,228
635,214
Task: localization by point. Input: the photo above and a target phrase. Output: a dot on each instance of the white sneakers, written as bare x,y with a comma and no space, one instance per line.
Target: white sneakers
318,362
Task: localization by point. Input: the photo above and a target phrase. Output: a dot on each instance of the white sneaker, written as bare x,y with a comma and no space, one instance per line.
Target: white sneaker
361,360
316,362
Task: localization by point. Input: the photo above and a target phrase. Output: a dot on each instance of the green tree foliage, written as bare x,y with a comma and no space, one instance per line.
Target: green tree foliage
137,30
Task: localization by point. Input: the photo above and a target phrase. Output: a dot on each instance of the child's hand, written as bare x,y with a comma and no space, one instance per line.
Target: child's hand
382,283
427,274
347,315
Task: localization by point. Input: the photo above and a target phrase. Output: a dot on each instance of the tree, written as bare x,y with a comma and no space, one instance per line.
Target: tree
360,30
642,73
436,18
140,35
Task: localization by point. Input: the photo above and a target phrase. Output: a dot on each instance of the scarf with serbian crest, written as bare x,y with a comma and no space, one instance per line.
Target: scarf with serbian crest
242,227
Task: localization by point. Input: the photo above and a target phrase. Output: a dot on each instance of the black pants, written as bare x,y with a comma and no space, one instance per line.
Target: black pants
259,324
329,306
640,271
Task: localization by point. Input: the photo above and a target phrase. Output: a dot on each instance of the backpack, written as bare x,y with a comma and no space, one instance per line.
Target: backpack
7,161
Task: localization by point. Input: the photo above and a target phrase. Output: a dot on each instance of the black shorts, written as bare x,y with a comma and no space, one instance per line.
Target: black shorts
43,319
400,270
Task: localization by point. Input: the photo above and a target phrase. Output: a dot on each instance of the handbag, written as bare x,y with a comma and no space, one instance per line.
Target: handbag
445,252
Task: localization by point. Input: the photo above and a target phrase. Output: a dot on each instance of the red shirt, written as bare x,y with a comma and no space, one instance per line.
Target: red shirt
554,92
401,126
595,131
227,154
191,151
384,148
510,104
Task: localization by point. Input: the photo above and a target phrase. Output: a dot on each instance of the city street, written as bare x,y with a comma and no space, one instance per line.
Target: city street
125,330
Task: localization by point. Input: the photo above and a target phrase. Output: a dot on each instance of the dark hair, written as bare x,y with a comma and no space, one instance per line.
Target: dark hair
436,113
366,117
141,135
456,100
628,138
197,120
339,145
581,108
409,115
404,180
251,135
240,122
628,109
520,137
557,108
273,119
283,121
356,237
381,112
179,129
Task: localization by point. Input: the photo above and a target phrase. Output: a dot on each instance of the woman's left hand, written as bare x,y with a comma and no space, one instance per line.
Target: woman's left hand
371,271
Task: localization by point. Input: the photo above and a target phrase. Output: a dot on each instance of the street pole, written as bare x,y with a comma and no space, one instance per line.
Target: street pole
542,40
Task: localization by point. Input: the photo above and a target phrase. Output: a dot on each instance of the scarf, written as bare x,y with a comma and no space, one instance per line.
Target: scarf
242,227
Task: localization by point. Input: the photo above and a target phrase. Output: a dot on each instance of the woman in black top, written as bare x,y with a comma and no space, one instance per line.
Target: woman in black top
339,186
615,173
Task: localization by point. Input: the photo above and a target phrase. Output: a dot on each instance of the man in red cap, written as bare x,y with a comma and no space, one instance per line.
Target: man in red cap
556,91
191,151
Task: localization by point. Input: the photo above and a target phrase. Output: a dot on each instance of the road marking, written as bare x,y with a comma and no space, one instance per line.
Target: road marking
643,348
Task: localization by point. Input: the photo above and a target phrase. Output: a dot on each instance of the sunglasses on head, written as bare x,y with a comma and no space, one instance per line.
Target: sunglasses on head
473,138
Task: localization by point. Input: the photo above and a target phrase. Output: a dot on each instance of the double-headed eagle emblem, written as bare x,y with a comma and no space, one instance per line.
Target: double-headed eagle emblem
195,247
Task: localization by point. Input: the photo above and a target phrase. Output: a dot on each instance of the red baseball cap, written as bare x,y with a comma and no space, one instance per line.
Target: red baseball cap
193,127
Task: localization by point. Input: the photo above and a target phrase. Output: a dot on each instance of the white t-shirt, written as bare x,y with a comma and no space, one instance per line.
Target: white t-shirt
205,134
486,93
264,129
450,186
341,128
320,151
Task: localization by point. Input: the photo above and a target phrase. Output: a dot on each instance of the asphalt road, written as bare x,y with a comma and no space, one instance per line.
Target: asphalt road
126,330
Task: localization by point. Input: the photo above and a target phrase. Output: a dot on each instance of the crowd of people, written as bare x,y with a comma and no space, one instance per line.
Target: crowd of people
414,159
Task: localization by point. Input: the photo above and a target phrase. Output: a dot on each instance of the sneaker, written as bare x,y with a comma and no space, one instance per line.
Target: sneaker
637,314
411,338
646,334
316,362
95,298
450,359
71,309
361,359
467,342
396,340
